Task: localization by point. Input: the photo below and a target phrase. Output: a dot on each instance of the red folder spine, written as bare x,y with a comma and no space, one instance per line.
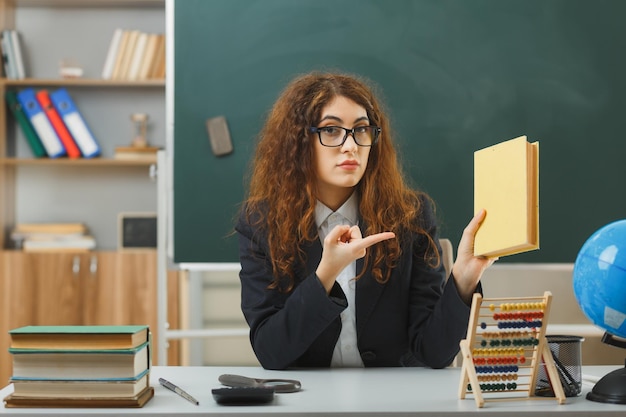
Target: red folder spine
59,126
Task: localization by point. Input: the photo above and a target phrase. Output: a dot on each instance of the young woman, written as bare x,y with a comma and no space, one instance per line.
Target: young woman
340,258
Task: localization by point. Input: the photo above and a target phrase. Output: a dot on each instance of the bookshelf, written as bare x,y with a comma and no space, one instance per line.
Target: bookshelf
106,105
92,191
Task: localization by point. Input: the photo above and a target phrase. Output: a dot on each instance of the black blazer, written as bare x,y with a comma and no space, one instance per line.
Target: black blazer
415,319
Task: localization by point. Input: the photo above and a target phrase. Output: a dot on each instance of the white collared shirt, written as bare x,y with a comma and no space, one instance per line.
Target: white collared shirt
346,353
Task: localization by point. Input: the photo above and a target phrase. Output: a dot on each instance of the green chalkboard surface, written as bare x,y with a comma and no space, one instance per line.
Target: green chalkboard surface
456,76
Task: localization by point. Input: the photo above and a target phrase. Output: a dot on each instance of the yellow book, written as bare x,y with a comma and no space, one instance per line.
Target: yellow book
148,56
127,56
116,72
506,185
158,63
137,55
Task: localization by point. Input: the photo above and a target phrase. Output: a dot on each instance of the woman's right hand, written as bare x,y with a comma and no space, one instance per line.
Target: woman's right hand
342,246
468,269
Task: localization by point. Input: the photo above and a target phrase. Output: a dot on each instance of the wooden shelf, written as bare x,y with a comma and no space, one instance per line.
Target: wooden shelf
91,3
106,103
79,82
99,286
74,162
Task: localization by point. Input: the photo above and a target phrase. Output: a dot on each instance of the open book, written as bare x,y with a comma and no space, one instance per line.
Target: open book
506,185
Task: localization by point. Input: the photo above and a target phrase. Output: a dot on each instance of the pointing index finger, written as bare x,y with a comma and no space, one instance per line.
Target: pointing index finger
376,238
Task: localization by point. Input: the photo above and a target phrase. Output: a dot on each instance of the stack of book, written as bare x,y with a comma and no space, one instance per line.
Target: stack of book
12,55
52,124
52,236
135,55
80,366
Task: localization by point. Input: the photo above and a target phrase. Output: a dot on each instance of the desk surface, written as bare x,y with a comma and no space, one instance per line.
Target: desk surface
346,392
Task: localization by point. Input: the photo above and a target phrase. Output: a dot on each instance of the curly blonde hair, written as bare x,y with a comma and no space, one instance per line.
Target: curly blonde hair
282,177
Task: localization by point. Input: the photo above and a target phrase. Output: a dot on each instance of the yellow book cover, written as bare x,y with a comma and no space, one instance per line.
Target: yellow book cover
506,185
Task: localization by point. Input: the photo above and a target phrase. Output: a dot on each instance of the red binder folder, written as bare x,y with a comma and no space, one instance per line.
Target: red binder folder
59,126
75,123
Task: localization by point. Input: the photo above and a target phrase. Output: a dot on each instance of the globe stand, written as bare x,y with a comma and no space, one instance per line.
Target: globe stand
611,388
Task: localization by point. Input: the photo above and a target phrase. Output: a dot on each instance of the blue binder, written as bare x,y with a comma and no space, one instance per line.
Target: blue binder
75,123
41,124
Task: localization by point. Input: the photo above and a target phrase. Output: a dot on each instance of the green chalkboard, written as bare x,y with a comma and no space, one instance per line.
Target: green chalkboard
456,76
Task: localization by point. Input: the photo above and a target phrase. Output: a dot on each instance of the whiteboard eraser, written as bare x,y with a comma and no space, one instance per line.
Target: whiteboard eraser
219,136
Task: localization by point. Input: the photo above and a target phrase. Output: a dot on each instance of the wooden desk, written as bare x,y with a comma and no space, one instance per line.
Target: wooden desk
348,392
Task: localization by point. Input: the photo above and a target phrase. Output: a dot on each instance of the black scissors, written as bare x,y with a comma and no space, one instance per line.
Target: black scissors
279,385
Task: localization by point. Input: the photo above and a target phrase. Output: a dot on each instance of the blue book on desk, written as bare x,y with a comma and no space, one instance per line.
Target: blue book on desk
41,123
75,123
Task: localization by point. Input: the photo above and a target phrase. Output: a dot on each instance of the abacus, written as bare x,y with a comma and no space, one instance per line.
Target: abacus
504,348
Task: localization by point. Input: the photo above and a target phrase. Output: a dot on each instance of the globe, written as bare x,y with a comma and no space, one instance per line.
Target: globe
599,281
600,278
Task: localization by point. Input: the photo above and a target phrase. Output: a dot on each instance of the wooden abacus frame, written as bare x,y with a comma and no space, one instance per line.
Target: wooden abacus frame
511,355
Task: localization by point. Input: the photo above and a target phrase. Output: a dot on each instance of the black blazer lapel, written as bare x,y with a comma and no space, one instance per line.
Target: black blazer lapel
313,253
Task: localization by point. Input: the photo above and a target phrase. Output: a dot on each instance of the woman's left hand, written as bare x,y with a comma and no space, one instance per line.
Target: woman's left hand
342,246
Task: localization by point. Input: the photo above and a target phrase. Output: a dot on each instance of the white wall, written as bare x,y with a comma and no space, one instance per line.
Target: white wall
566,317
92,195
217,298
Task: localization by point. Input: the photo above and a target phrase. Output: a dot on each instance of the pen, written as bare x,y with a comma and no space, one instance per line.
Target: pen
167,384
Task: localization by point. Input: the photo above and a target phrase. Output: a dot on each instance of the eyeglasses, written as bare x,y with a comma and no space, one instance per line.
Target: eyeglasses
334,136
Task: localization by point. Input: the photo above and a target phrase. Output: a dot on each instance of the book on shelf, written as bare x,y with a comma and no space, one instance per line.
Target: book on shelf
16,43
79,337
75,123
83,243
506,185
136,153
119,55
52,236
158,65
38,119
8,55
4,68
29,132
109,61
57,123
127,55
80,365
137,56
19,238
13,401
148,56
52,228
